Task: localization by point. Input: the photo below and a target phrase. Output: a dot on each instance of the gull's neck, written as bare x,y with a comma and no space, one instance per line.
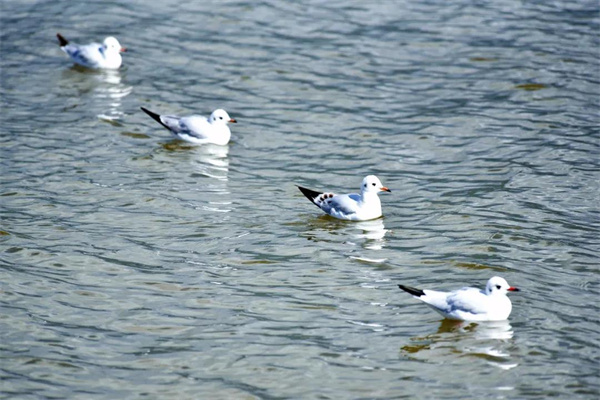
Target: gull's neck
368,196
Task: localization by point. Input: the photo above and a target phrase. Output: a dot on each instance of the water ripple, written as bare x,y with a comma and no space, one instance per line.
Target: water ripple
134,265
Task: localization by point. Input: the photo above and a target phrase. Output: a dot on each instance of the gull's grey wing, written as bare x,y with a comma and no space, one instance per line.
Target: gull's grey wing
85,55
174,123
341,204
190,126
468,300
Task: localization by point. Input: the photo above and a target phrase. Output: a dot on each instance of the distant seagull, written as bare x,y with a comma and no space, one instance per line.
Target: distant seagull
469,304
94,55
197,129
353,207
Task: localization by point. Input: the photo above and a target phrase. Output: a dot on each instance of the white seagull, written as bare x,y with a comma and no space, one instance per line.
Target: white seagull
197,129
94,55
469,304
353,207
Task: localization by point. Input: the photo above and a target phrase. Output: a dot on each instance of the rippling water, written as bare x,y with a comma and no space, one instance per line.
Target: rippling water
135,266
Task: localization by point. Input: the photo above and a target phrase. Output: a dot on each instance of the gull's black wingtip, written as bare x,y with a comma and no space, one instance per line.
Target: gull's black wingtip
412,290
309,194
154,116
61,40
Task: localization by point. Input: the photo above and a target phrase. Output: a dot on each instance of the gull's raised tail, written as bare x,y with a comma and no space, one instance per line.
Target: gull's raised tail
62,42
412,290
155,117
310,194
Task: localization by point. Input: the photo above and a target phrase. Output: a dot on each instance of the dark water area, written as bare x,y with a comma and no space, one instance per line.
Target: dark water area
135,266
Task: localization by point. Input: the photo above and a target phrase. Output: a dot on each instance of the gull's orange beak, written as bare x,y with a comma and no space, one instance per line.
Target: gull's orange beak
233,121
384,189
123,49
513,289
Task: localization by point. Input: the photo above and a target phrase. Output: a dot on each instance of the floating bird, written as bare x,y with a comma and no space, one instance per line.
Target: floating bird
353,207
469,304
197,129
94,55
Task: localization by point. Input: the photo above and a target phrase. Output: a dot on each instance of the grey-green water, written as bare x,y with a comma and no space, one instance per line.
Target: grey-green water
133,266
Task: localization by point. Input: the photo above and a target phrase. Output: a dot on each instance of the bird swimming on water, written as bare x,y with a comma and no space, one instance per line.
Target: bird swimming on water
469,304
353,206
94,55
197,129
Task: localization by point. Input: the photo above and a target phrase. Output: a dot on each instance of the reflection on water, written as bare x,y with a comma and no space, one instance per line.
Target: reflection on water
208,160
113,91
485,340
99,218
196,169
493,330
371,233
105,87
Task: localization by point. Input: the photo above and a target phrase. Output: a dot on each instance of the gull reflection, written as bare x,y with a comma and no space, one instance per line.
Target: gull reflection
208,160
111,91
489,341
105,87
213,161
372,234
204,169
501,330
369,235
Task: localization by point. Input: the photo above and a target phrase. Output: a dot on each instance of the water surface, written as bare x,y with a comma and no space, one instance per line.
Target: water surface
135,266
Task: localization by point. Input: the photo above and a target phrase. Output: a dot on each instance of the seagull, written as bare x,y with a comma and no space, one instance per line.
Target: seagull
469,304
94,55
353,207
197,129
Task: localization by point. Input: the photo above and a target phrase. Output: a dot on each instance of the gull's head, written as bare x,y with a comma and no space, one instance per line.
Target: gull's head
220,116
372,184
497,285
112,44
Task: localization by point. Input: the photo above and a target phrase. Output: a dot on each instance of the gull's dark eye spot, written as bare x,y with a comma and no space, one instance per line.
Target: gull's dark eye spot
365,185
220,117
498,287
373,183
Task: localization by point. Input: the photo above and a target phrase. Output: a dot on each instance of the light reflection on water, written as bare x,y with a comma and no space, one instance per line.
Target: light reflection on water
104,87
489,341
210,161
